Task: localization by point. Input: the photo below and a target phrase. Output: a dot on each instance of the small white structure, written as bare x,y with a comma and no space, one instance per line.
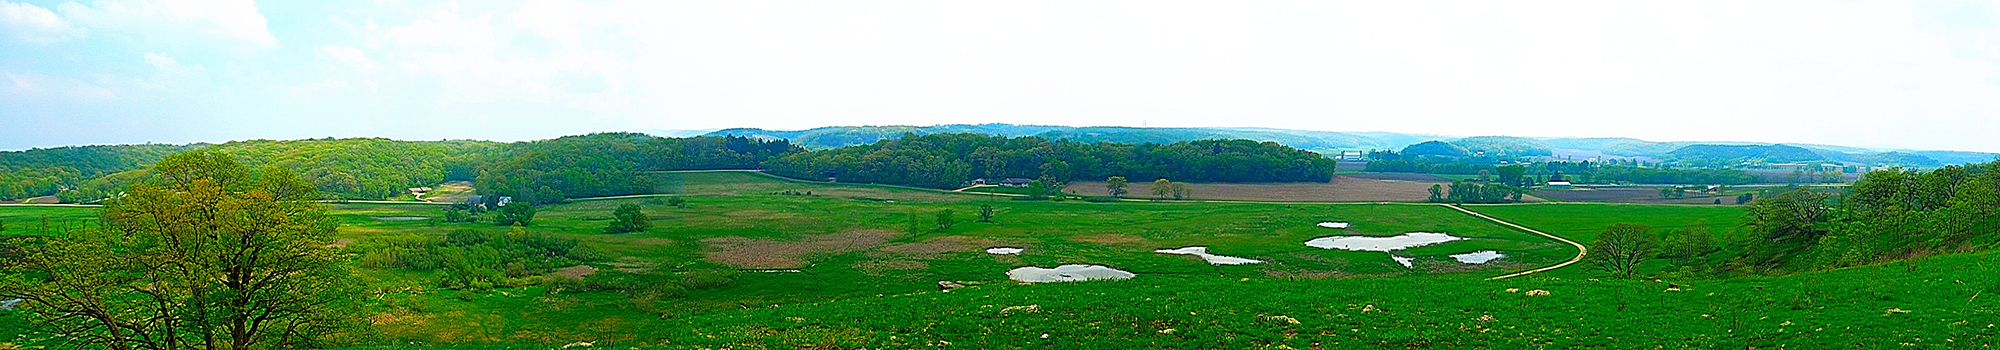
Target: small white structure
1559,184
1351,156
1333,224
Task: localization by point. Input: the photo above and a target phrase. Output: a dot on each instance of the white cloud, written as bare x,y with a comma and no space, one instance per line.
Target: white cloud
352,57
35,24
238,20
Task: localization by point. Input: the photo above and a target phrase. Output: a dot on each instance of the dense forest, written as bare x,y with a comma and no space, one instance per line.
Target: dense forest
950,160
607,164
48,171
1887,215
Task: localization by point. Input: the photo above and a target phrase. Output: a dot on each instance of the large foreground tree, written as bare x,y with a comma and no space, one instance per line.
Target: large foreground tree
205,255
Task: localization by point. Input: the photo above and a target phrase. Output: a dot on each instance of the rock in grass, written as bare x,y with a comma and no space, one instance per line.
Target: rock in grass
1538,293
949,285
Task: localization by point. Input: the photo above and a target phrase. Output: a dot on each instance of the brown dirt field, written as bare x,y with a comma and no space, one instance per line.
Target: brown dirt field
771,253
1341,189
1400,177
450,192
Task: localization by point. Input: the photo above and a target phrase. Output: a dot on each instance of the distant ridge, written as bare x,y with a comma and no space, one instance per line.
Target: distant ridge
1332,142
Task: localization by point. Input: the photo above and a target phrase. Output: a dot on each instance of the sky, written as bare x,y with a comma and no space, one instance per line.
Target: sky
1890,74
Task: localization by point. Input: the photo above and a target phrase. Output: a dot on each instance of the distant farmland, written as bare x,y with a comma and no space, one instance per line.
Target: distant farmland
1343,188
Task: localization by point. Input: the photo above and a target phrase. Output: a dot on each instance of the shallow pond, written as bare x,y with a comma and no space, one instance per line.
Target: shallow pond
1333,224
1381,244
1211,258
1478,257
1004,251
1067,273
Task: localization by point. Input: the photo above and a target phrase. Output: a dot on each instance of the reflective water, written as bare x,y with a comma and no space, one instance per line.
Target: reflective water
1403,260
1333,224
1381,244
1004,251
1478,257
1067,273
1211,258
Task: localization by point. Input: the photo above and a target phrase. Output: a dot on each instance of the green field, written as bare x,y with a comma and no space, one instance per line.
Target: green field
865,278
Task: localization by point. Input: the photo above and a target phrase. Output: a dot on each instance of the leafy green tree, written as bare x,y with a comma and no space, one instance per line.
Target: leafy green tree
1621,249
628,218
677,202
945,220
1512,174
1689,243
1038,190
1181,190
515,214
1162,188
985,213
1786,224
1116,184
1437,194
205,255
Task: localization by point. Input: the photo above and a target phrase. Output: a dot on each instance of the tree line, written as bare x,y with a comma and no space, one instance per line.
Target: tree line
951,160
1888,215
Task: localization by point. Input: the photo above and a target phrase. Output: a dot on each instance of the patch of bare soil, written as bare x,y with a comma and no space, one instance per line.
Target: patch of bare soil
936,247
773,253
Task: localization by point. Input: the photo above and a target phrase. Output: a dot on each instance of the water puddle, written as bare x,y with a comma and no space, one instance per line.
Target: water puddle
1478,257
1004,251
1067,273
1333,224
1404,261
1381,244
1211,258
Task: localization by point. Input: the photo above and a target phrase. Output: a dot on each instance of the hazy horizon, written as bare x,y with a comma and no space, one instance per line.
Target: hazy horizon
1878,75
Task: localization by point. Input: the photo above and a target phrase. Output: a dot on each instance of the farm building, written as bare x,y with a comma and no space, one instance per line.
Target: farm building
1350,156
1559,184
1016,182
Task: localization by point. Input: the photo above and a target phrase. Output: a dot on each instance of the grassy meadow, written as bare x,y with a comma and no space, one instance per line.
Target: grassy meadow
857,266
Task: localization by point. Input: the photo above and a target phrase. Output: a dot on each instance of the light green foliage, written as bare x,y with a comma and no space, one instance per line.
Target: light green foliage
985,213
1116,185
1162,188
206,255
